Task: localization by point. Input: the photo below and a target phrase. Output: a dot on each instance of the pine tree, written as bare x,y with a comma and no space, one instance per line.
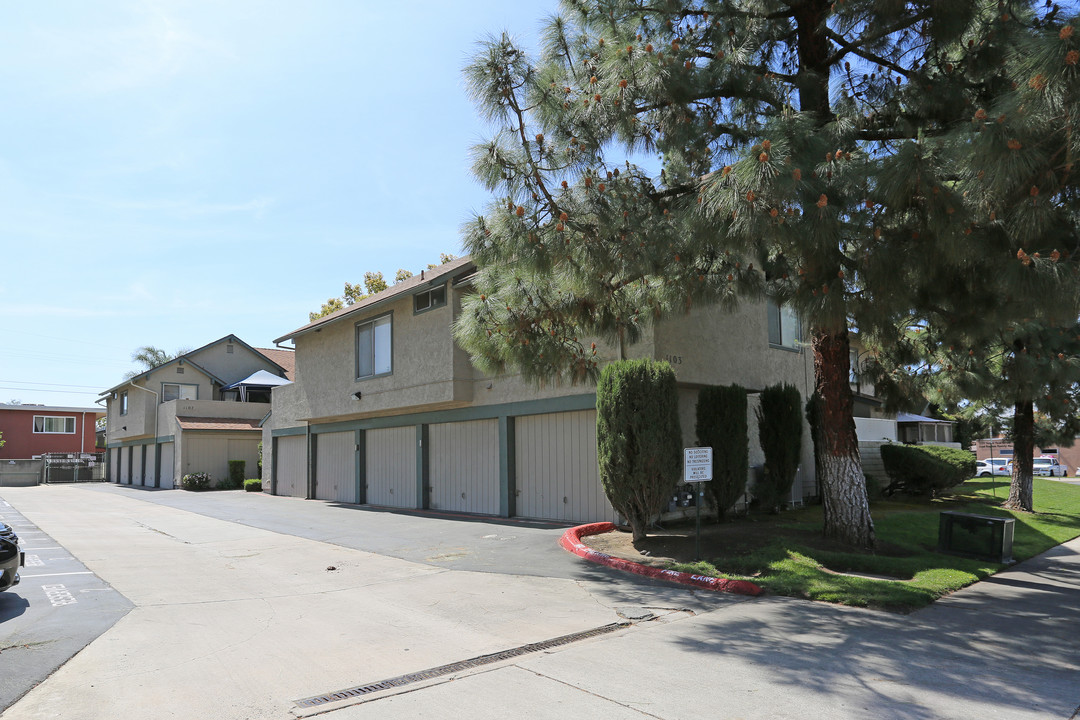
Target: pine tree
828,153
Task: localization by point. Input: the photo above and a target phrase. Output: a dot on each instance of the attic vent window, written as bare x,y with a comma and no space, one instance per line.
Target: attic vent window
179,371
433,298
229,349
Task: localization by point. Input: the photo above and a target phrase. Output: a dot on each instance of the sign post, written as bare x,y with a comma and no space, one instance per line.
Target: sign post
697,468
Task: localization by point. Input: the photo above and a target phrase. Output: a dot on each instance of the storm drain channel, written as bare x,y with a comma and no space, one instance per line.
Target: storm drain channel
443,670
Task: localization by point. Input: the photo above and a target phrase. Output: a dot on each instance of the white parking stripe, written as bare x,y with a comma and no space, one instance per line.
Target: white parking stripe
24,577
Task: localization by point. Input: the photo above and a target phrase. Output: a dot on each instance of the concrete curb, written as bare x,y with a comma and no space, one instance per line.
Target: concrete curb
571,542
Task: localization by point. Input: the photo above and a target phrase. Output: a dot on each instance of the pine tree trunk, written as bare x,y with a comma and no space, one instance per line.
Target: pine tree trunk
1021,496
843,485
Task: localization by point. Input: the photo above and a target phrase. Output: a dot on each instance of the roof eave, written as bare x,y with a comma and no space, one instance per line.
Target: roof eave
359,309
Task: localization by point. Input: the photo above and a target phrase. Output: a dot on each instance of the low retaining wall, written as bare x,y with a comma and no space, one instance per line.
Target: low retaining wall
20,473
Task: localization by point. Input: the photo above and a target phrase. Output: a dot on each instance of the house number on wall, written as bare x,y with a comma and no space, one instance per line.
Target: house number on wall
673,359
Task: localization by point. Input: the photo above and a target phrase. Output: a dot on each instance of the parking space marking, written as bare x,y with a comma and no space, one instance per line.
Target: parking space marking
54,547
33,561
56,574
58,595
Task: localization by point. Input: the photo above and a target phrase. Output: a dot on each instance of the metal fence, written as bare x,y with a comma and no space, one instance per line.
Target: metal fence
73,467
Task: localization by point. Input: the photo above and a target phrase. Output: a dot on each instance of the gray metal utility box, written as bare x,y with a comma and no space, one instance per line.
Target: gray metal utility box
986,537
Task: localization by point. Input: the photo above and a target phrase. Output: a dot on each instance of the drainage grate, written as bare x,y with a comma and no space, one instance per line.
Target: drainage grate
452,668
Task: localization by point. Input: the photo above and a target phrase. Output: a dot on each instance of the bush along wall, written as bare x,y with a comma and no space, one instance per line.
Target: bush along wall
253,485
196,481
638,438
721,424
236,475
780,416
925,469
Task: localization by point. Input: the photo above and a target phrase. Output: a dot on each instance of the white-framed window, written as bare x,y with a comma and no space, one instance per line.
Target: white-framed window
178,391
785,330
54,425
374,347
429,299
123,403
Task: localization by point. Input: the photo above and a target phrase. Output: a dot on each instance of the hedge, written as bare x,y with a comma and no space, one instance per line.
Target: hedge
925,469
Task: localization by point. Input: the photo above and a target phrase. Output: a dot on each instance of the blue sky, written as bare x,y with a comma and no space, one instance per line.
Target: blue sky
172,172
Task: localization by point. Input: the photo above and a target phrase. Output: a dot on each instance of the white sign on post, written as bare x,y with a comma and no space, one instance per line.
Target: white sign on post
697,464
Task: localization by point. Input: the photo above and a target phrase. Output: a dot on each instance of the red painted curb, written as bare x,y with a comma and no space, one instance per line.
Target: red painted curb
571,542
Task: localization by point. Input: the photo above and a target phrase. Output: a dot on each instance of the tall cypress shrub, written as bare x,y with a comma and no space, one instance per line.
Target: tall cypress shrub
721,424
639,441
780,428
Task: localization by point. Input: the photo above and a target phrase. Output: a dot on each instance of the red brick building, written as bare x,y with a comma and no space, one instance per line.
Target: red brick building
1000,447
30,430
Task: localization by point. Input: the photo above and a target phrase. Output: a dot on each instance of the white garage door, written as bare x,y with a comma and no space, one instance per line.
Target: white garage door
390,466
291,467
464,466
125,465
166,450
335,466
114,464
149,475
557,473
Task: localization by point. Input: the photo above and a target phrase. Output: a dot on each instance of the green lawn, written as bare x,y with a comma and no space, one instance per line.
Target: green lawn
791,558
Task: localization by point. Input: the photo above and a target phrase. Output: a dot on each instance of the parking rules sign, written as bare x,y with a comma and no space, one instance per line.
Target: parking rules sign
697,464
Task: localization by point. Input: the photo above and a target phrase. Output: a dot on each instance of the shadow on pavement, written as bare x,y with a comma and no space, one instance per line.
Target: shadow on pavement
12,605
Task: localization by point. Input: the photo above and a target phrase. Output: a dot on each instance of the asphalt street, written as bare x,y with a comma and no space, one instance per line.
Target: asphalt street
250,606
56,610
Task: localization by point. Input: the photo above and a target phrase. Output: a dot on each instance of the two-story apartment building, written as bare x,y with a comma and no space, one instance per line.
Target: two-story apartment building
31,430
194,413
387,410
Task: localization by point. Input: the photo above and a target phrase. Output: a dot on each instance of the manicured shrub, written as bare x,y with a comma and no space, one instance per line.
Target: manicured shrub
721,424
780,416
638,438
196,481
925,469
253,485
236,472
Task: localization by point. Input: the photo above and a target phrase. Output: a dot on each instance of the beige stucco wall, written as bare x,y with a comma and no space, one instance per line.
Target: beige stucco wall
171,374
710,346
139,419
231,367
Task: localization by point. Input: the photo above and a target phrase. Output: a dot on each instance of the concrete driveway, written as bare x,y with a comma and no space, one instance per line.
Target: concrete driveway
235,620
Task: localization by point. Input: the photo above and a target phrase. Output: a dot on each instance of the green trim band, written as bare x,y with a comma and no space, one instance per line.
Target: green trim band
143,441
285,432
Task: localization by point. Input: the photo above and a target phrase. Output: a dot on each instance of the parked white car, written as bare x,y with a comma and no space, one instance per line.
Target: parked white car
1047,466
995,466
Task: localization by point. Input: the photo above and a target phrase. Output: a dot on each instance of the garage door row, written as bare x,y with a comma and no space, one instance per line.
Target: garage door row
552,467
137,465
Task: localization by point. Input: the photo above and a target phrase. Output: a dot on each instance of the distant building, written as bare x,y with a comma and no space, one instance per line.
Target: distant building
30,430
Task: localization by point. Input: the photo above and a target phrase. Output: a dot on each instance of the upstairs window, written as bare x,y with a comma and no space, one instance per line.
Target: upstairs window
177,391
123,403
429,299
374,346
51,425
785,330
